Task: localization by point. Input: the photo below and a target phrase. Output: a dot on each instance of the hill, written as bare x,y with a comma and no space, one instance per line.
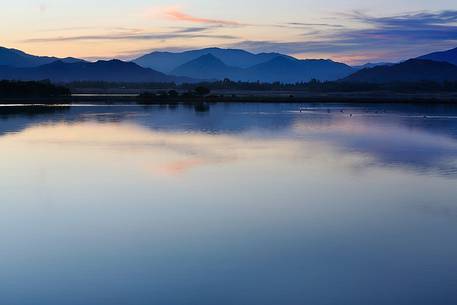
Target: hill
372,65
166,62
207,67
279,69
291,70
449,56
19,59
412,70
12,89
109,71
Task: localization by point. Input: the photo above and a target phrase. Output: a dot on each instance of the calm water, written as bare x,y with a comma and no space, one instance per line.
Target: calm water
240,205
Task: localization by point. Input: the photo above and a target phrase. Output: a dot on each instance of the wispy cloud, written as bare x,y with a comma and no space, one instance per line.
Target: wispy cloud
192,32
302,24
384,38
415,19
413,27
43,7
355,36
176,14
193,29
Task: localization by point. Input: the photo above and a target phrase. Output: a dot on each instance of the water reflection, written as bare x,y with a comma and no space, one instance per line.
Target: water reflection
246,204
393,144
17,118
420,138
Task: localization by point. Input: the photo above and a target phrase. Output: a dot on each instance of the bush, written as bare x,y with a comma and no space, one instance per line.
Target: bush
202,91
31,89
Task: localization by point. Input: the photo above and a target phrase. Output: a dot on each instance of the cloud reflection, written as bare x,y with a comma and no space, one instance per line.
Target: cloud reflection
391,144
181,141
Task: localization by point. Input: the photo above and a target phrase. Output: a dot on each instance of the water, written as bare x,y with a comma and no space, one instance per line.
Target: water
244,204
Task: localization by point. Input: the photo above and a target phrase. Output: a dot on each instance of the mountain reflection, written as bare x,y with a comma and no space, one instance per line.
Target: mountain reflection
17,118
423,139
394,145
155,203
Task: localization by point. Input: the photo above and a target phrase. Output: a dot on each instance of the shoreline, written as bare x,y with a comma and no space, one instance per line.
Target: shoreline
247,97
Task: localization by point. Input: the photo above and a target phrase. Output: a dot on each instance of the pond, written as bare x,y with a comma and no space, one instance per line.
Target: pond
253,204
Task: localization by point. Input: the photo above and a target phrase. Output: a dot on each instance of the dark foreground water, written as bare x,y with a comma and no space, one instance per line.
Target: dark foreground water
238,205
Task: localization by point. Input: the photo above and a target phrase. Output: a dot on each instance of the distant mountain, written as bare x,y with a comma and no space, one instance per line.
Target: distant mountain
291,70
109,71
207,67
372,65
449,56
279,69
412,70
166,62
17,58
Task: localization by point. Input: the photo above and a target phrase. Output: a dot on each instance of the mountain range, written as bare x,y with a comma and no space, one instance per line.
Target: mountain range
216,64
280,68
17,58
108,71
412,70
449,56
239,65
166,62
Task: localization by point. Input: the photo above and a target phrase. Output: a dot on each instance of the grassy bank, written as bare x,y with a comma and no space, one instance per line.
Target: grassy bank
12,92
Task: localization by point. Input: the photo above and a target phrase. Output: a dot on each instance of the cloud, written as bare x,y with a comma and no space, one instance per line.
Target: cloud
416,27
43,7
408,20
179,167
176,14
193,29
192,32
301,24
355,37
381,38
63,29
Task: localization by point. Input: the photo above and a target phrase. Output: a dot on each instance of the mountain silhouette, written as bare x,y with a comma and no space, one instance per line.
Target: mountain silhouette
19,59
291,70
412,70
207,67
166,62
372,65
109,71
218,64
279,69
449,56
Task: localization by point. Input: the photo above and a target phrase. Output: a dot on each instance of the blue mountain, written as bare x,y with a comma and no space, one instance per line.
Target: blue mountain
166,62
291,70
449,56
412,70
207,67
279,69
108,71
372,65
17,58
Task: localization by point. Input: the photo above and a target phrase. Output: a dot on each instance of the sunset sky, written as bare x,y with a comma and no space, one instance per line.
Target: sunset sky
354,31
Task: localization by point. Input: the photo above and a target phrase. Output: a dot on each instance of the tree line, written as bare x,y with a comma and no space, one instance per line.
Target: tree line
47,89
311,86
20,89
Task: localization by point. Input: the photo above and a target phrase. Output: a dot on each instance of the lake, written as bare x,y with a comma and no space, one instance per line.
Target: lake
256,204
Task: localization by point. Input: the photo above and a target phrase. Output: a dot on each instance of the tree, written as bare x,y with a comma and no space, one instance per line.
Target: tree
173,93
202,91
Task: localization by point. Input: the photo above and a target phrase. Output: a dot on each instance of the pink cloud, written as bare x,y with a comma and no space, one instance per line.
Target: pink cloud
179,167
176,14
43,7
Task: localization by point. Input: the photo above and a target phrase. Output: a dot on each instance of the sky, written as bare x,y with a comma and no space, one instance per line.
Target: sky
352,31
